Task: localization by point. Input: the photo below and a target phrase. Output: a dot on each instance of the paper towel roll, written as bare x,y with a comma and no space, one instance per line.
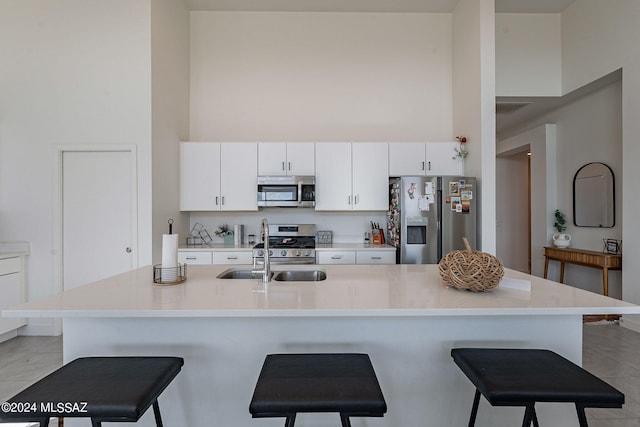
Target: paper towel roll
169,258
169,250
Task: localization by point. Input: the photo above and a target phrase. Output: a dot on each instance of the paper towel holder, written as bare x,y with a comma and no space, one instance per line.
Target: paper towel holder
169,276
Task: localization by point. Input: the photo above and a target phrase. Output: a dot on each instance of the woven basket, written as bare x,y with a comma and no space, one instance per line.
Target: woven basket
471,270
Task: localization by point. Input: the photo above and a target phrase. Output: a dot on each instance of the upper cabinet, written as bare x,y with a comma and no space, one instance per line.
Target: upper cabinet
424,158
286,158
352,176
218,176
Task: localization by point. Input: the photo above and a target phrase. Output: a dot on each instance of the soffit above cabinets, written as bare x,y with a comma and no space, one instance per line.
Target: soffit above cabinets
395,6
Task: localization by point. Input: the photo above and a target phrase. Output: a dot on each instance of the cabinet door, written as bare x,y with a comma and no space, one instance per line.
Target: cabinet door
239,176
233,257
333,176
442,160
336,257
199,176
375,257
407,159
370,176
301,159
272,158
194,258
11,292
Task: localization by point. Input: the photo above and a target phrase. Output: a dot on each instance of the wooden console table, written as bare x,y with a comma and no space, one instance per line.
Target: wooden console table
593,259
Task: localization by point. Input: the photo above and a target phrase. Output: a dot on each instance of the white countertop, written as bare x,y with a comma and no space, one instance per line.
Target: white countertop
349,290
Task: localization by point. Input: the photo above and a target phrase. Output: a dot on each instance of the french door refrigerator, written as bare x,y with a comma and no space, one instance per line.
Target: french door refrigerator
429,216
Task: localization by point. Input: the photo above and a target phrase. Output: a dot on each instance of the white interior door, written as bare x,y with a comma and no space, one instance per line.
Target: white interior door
98,215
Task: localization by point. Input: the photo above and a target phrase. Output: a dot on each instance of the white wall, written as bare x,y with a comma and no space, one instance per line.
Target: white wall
512,229
528,54
73,72
587,130
474,103
261,76
170,109
599,37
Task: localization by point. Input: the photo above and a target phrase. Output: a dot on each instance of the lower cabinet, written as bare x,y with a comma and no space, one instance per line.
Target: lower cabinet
11,291
215,257
363,256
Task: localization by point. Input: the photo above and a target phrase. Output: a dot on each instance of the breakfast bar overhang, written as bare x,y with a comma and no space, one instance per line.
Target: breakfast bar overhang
404,316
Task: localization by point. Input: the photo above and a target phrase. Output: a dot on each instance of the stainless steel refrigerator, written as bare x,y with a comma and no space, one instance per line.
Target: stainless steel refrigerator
429,216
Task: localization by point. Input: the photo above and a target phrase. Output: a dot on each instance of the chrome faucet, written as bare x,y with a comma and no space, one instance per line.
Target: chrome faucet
266,269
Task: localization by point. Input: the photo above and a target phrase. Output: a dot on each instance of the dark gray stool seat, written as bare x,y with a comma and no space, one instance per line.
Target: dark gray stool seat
522,377
105,389
325,382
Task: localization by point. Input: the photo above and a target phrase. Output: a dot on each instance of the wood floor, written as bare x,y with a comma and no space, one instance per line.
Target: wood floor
609,351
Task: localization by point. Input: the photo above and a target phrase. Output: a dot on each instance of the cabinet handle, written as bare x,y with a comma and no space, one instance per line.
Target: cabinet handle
232,257
223,200
216,200
282,165
349,202
429,165
289,165
337,257
376,257
357,199
191,257
422,165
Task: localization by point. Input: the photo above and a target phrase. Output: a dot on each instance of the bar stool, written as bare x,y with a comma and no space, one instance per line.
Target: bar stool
105,389
522,377
292,383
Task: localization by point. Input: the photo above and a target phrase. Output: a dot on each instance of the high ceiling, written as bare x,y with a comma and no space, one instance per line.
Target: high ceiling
426,6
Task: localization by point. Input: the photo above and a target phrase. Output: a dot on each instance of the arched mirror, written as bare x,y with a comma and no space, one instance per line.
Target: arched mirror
594,196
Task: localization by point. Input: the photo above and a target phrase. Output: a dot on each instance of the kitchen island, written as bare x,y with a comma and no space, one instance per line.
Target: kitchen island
403,316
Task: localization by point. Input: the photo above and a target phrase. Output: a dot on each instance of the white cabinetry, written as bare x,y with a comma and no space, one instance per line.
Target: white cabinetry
218,176
195,258
290,158
336,257
11,291
233,257
360,256
215,256
352,176
420,158
376,257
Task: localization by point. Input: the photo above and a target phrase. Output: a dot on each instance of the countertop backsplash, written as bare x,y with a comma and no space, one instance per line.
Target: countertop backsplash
347,227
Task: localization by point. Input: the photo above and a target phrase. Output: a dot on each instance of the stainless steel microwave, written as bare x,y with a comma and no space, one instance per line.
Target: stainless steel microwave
287,191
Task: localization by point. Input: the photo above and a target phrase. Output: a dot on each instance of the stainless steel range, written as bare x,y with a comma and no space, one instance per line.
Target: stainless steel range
289,244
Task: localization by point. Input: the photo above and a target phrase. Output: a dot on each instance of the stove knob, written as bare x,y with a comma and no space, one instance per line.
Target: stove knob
283,252
260,253
270,252
307,253
297,253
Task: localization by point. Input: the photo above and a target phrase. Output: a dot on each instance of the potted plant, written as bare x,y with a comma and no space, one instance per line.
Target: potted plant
224,232
560,239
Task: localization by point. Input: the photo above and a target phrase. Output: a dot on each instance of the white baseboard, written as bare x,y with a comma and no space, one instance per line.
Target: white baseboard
631,321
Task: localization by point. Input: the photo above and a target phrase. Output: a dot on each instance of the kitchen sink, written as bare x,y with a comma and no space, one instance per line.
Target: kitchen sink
239,273
279,276
300,276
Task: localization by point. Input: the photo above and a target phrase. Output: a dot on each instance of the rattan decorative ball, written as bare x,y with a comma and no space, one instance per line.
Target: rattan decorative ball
471,270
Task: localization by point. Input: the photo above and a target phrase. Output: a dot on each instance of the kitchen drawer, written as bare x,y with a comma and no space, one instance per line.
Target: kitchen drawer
193,258
233,257
336,257
375,257
10,265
